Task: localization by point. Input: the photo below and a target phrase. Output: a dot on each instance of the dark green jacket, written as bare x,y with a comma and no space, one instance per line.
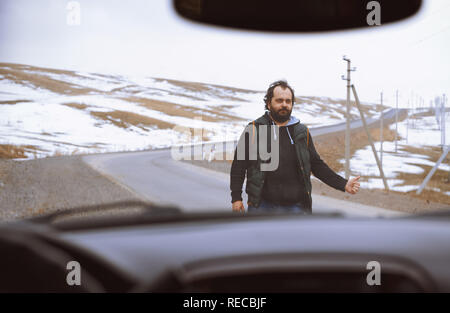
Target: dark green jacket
307,157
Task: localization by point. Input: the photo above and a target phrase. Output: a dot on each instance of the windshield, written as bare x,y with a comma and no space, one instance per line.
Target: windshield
113,101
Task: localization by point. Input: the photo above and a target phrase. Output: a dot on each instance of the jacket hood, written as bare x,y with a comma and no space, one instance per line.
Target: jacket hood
293,120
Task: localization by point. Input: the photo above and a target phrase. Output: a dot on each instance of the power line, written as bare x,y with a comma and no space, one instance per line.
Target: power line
437,11
430,36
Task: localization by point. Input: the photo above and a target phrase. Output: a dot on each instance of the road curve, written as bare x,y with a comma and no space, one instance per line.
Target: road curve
156,177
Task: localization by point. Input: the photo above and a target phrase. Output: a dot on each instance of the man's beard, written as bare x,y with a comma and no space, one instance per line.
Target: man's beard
280,118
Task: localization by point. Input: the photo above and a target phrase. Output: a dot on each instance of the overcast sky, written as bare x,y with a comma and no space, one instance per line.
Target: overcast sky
146,38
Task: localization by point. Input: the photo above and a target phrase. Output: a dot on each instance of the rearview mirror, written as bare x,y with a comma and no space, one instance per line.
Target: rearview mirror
296,15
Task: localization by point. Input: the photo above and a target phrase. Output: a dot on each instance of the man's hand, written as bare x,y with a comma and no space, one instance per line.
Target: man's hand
352,185
238,206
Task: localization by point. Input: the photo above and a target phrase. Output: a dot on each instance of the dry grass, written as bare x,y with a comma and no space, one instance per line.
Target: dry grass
340,106
207,88
150,90
183,110
23,67
16,73
8,151
126,119
331,147
423,114
79,106
432,152
331,150
169,108
14,101
11,152
439,180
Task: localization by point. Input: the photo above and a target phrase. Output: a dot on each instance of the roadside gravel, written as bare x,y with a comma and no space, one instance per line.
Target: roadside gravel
36,187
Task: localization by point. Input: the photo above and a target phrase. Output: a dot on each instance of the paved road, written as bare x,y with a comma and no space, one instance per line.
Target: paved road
155,176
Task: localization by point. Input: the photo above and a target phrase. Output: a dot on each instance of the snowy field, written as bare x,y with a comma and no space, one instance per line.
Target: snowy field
63,112
423,133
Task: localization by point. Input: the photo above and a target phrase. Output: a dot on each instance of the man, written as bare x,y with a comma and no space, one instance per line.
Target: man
288,186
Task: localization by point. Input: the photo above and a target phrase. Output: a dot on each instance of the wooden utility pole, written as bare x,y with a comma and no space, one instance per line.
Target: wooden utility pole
396,119
381,131
347,128
443,121
407,122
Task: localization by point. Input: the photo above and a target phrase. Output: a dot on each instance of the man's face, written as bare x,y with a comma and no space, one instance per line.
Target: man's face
280,106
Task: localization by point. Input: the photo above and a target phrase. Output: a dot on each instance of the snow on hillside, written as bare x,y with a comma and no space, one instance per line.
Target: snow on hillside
64,112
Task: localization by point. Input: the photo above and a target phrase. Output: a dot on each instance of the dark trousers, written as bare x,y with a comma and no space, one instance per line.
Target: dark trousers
266,206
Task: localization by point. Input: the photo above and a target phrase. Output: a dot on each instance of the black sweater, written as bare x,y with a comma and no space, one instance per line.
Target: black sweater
285,185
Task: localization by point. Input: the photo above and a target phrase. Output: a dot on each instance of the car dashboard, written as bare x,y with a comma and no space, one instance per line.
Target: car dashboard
230,253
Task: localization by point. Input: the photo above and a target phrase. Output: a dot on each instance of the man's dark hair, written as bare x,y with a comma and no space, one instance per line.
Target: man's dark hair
269,94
